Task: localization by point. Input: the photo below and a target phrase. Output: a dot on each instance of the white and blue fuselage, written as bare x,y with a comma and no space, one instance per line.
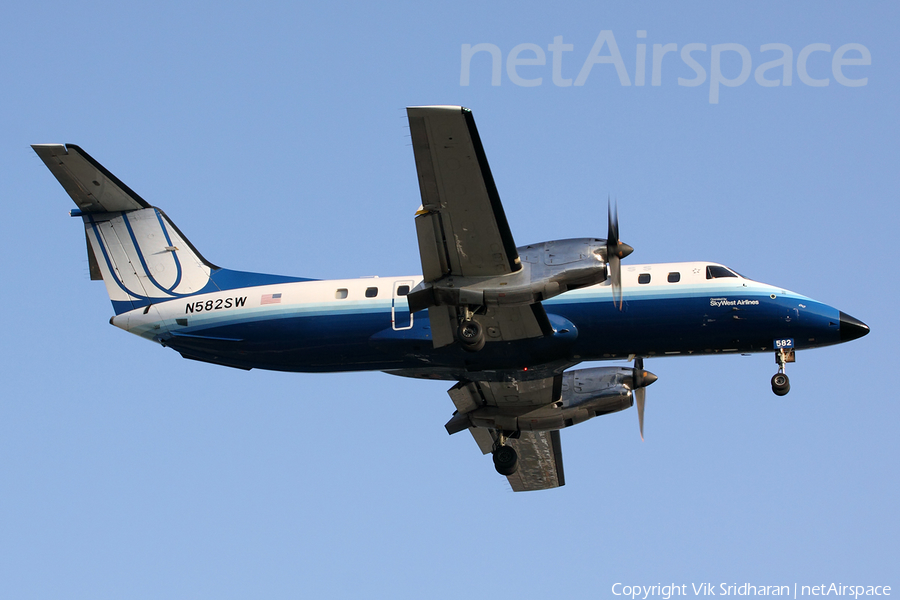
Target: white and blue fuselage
365,324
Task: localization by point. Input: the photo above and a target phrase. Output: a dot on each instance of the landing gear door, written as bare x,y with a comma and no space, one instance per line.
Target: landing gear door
401,318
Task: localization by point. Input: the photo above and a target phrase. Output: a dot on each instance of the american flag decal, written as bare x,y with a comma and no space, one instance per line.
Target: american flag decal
270,299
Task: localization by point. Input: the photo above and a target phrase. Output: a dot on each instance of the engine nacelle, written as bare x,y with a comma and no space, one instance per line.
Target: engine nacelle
553,268
601,390
548,269
586,393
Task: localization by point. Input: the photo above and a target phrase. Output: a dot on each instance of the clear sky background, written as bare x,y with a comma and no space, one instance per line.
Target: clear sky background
275,136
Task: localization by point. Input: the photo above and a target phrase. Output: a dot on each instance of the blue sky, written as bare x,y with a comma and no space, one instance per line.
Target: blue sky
274,135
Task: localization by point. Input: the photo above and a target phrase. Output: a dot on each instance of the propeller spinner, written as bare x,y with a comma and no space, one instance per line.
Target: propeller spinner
615,252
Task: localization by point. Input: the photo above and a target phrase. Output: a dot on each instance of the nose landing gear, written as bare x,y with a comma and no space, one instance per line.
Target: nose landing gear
781,385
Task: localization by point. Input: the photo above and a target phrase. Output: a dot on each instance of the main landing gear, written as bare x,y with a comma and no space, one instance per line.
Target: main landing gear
506,459
781,385
470,333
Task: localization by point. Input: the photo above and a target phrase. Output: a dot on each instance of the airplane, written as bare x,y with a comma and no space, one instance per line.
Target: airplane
506,323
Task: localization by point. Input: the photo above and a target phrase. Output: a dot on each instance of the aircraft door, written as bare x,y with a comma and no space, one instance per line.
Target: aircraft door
401,318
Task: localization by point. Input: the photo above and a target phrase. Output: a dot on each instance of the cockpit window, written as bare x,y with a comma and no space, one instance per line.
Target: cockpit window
715,271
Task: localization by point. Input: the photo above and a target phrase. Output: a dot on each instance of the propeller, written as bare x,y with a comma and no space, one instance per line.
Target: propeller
615,252
641,379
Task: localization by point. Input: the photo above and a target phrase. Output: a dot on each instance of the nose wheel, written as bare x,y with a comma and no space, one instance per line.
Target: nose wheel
781,385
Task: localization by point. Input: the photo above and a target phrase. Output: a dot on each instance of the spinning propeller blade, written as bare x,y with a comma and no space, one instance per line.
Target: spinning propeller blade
615,252
641,379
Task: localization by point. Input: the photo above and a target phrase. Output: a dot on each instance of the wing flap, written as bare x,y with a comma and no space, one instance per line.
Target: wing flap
442,320
509,323
432,250
500,323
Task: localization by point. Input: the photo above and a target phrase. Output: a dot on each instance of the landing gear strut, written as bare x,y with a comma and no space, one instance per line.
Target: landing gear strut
470,334
506,459
781,385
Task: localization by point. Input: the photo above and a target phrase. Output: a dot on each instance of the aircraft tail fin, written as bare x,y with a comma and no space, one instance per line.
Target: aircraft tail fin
137,251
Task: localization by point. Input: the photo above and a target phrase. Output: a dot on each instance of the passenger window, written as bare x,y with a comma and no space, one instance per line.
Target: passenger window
674,277
644,278
402,290
371,292
341,293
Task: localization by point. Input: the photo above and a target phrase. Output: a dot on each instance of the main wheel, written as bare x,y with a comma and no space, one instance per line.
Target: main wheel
470,336
781,385
506,460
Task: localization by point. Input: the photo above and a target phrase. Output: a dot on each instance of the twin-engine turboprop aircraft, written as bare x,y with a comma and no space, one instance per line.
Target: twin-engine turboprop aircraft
504,322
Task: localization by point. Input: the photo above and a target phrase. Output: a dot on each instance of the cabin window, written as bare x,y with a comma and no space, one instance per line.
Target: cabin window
371,292
674,277
402,290
341,293
715,271
644,278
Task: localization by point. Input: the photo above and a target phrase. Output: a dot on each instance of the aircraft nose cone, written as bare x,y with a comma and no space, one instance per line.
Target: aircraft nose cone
852,328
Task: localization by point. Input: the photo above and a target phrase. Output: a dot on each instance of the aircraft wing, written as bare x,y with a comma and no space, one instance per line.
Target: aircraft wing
540,452
461,227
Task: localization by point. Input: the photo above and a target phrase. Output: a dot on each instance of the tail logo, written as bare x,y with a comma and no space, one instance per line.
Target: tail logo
142,257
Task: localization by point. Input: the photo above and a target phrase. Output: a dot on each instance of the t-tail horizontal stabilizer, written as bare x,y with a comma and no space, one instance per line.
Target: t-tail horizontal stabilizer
132,246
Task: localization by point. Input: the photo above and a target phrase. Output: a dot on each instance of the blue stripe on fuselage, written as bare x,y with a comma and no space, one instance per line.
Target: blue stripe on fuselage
316,337
220,280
